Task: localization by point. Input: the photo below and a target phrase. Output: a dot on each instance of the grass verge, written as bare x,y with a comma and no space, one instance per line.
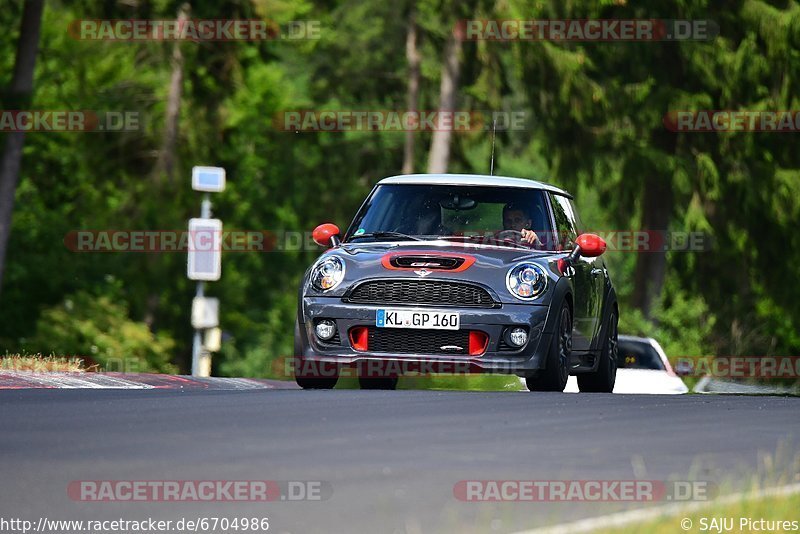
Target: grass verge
750,514
40,363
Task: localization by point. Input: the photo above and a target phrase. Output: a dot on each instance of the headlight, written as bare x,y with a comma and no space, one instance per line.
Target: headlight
526,281
328,273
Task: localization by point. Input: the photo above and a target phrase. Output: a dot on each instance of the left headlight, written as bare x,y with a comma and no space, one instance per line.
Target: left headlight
526,281
327,274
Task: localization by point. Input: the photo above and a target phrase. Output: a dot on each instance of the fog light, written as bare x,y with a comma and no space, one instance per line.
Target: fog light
517,337
325,329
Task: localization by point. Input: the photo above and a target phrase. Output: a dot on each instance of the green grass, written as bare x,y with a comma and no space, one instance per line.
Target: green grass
773,508
39,363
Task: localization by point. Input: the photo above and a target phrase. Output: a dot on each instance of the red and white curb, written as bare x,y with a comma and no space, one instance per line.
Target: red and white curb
32,380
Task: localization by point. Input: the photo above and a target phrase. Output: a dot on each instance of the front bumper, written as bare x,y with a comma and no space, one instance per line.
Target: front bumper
492,322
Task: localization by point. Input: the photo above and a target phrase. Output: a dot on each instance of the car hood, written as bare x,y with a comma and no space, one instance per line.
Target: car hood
486,255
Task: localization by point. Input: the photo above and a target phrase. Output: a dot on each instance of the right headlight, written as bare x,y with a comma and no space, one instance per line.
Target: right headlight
327,274
526,281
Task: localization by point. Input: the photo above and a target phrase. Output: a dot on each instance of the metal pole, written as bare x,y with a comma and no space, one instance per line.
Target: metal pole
198,354
205,207
197,345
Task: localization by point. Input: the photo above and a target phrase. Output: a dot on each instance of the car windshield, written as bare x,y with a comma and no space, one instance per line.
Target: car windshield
494,215
638,355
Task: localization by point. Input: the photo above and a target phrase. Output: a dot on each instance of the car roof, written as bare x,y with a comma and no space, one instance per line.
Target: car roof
471,179
623,337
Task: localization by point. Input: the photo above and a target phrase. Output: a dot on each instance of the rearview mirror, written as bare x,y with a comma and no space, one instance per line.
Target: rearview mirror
326,235
458,203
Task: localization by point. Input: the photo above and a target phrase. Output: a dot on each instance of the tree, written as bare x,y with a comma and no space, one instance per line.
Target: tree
414,60
20,94
166,157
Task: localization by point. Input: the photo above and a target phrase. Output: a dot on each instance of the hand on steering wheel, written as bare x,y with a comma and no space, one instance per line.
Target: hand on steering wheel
526,236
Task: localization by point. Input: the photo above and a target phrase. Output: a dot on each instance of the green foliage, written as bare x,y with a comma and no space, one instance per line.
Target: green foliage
269,353
684,326
98,329
595,126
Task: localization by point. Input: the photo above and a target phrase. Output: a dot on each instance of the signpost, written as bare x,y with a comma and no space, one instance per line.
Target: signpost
205,249
204,264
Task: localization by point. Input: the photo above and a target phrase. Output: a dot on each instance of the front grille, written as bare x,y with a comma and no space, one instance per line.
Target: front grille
421,292
409,341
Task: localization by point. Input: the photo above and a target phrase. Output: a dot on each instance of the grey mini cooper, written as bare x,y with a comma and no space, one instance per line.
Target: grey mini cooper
459,273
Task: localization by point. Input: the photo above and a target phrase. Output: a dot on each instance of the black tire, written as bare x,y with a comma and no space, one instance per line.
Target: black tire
378,383
316,382
556,372
310,381
603,380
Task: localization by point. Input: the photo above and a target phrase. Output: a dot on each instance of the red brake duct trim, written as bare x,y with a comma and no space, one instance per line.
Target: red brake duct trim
478,341
359,338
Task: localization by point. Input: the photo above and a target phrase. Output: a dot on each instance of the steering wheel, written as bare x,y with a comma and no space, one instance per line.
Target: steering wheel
513,235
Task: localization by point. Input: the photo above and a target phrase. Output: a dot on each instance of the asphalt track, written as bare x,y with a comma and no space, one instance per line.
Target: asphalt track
390,459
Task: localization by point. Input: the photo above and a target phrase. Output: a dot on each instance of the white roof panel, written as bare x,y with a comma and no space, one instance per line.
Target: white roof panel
471,179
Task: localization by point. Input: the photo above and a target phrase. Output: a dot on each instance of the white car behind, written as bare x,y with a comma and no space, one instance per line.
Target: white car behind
642,367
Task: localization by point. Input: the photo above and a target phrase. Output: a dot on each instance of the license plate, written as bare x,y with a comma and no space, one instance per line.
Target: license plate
428,319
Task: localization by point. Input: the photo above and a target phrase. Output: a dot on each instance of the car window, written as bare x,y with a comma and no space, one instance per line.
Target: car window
566,222
638,355
579,228
474,220
447,210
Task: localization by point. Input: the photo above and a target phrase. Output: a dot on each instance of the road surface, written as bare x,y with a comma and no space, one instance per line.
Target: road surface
389,458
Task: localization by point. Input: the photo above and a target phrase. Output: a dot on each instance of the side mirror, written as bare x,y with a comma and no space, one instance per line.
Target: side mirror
592,245
588,245
684,367
326,235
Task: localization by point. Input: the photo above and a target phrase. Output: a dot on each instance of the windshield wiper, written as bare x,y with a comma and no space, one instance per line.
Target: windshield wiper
396,235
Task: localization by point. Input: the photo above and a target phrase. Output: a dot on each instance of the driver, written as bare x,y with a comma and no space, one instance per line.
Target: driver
516,218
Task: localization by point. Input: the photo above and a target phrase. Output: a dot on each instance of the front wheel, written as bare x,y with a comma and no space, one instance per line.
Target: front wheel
556,372
603,380
316,382
311,377
378,383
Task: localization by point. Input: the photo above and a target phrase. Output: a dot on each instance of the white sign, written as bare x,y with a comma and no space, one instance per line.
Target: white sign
209,179
205,312
212,341
205,249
